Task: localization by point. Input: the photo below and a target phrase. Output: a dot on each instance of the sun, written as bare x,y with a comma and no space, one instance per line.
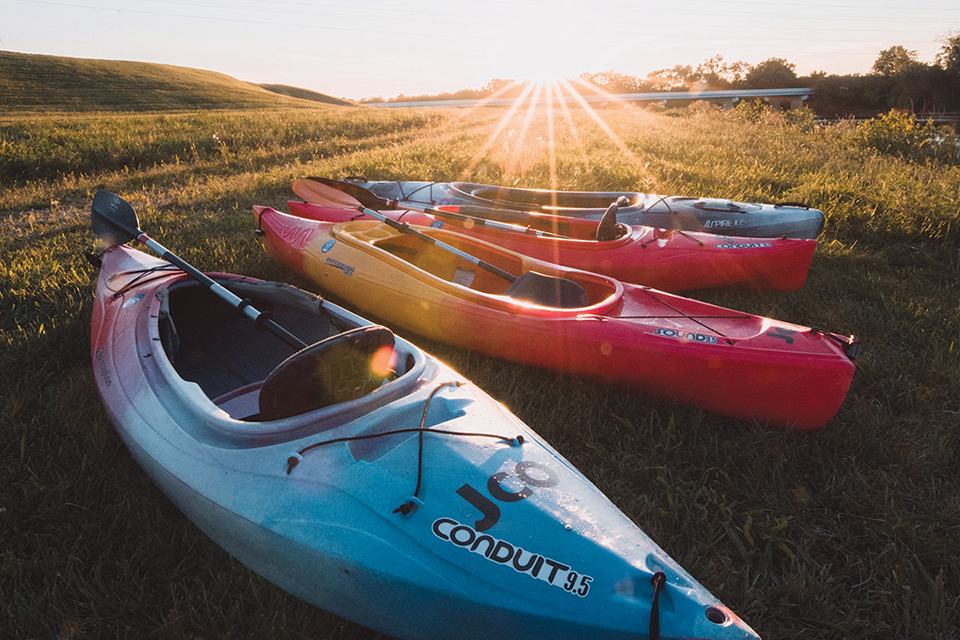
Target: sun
544,76
542,64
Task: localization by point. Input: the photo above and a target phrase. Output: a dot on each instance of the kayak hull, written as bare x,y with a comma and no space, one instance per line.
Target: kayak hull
500,536
633,337
659,258
711,215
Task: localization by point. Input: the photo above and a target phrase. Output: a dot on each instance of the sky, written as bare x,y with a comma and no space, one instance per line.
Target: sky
363,48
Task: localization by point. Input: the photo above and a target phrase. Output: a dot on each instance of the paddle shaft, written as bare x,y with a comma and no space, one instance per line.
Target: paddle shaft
357,195
484,222
403,227
244,306
312,190
476,211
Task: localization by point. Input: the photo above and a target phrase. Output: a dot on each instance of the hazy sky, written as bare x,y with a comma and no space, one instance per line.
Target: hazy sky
361,48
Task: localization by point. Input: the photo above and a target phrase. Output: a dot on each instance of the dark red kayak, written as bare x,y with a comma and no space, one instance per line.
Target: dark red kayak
662,258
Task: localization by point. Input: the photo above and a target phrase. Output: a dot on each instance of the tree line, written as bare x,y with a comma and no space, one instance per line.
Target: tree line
897,80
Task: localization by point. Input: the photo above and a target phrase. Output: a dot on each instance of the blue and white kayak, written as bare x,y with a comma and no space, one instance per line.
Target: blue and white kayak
711,215
368,478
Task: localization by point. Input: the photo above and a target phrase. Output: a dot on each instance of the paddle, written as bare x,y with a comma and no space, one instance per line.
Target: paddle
530,286
486,222
320,196
115,222
365,197
477,213
311,189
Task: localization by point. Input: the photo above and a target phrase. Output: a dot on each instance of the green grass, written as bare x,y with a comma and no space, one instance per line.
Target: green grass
39,83
849,532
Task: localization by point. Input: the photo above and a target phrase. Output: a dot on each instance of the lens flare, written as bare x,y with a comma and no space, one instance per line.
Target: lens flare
382,362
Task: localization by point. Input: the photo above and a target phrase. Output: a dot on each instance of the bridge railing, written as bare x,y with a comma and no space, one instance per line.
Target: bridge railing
792,98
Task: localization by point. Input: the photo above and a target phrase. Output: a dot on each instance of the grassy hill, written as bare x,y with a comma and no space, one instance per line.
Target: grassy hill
305,94
30,83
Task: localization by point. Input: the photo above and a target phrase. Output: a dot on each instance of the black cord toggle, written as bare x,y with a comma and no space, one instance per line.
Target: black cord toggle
410,506
293,461
405,508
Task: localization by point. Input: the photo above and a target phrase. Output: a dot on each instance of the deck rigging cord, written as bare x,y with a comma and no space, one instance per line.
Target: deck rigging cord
142,278
659,581
410,505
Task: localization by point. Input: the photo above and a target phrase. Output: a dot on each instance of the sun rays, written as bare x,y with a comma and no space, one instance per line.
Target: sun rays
529,132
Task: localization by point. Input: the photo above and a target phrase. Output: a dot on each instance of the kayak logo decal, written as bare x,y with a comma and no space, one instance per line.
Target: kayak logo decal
539,567
336,264
506,487
686,335
719,222
327,246
297,237
531,474
104,373
744,245
437,224
783,333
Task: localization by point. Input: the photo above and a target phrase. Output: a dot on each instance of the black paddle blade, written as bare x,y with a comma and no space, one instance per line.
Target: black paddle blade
113,219
366,197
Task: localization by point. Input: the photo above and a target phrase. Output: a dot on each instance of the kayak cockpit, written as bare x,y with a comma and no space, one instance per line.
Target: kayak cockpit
540,284
254,377
338,369
544,199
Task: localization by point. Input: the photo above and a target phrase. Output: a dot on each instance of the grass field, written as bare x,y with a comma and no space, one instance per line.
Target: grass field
40,83
849,532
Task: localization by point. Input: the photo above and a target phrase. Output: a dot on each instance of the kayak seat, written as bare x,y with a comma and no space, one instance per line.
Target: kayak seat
548,291
338,369
609,228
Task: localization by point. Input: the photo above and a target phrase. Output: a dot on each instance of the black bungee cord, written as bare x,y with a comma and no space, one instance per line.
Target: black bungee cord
410,505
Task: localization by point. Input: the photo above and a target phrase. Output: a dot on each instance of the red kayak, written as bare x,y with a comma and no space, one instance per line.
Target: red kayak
476,295
662,258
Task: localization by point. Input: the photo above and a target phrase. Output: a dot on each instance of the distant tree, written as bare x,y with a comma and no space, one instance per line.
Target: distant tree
736,72
678,77
772,73
895,60
949,56
614,82
711,71
496,85
717,73
849,95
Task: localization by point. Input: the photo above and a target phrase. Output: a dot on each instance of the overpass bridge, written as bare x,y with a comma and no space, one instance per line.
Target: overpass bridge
777,98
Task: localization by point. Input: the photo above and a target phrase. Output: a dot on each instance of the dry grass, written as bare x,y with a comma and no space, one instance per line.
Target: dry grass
849,532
